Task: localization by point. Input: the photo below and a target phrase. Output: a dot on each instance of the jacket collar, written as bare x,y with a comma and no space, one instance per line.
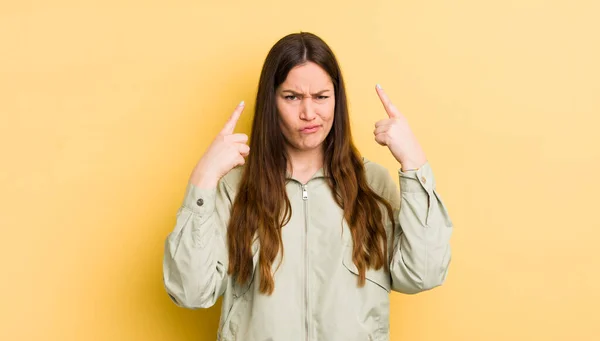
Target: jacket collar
318,174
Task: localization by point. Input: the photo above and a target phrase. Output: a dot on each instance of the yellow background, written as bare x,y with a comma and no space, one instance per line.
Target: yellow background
107,105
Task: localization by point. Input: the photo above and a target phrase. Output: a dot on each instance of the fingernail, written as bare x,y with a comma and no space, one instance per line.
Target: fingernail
241,103
378,86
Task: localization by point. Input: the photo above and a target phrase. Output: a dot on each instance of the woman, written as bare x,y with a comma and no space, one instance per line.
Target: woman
302,236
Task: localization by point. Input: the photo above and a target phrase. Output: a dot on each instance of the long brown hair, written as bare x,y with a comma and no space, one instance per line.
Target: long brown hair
257,215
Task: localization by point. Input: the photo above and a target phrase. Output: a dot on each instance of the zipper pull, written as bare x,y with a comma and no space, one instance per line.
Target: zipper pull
304,193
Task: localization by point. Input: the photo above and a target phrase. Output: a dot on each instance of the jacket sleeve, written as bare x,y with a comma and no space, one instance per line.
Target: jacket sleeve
195,257
421,245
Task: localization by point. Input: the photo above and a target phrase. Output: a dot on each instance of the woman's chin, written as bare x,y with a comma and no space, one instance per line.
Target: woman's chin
306,147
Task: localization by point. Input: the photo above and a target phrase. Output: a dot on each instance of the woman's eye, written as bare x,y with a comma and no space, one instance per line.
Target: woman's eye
292,97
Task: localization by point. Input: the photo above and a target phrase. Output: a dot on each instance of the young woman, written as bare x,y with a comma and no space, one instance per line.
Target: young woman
302,236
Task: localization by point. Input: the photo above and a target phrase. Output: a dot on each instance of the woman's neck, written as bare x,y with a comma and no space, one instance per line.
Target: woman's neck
302,164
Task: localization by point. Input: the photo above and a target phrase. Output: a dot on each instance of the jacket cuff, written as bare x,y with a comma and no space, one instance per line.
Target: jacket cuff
417,180
200,201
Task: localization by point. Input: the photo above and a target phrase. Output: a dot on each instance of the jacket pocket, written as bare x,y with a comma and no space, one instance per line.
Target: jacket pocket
231,326
379,277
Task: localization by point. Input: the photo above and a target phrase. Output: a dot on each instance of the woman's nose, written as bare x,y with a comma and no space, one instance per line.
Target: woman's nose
307,110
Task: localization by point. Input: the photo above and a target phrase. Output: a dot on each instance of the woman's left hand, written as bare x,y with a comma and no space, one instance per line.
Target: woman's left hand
395,133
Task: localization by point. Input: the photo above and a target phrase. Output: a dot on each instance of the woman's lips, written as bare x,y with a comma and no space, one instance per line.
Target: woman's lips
309,129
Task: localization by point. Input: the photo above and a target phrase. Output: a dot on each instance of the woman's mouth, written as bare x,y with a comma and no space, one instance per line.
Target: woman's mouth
310,129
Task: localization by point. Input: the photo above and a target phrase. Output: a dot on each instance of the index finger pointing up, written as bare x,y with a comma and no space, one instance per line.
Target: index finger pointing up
231,123
387,104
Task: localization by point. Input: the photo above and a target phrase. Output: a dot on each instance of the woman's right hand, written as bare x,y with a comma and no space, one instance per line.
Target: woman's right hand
227,151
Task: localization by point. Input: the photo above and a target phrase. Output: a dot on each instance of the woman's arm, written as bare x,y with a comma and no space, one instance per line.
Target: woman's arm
195,258
421,245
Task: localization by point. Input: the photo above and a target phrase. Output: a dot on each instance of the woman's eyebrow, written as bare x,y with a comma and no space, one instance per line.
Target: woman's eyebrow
298,93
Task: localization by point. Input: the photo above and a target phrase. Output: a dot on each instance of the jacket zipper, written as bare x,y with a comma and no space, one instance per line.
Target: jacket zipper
305,198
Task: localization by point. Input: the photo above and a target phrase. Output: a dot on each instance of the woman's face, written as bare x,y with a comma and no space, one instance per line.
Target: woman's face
306,103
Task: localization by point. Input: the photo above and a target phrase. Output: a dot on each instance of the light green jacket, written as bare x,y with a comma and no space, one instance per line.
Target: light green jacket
316,296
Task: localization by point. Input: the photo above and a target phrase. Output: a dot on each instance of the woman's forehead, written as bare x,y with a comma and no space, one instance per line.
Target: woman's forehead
308,78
